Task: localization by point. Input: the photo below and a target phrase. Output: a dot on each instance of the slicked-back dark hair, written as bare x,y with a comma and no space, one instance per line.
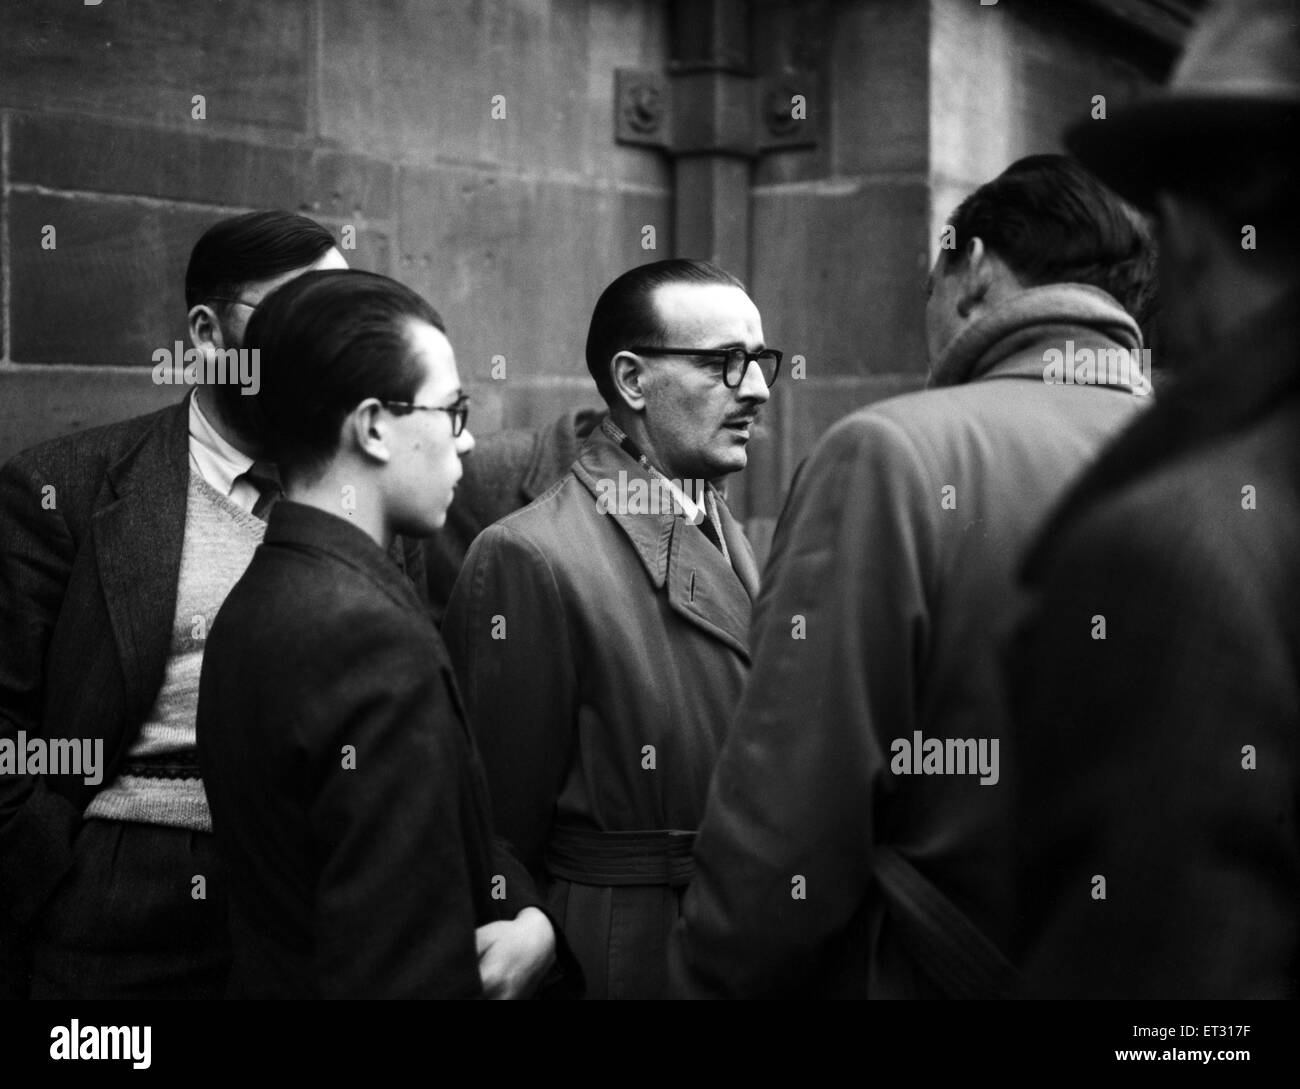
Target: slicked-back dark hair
1053,222
328,340
625,313
247,248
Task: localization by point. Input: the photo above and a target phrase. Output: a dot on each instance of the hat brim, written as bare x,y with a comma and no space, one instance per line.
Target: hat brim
1150,144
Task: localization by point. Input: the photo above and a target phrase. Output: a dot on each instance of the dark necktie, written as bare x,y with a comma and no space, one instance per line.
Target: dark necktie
266,479
710,531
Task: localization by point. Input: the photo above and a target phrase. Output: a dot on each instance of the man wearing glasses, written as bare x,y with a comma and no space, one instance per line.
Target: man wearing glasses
601,634
117,547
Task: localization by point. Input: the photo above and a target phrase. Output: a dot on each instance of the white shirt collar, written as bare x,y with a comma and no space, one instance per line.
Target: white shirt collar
219,463
694,511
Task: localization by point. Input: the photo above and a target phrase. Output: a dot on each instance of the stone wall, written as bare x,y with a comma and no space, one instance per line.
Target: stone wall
377,116
380,116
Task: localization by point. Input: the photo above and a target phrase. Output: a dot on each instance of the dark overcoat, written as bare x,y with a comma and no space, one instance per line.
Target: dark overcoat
347,800
1161,752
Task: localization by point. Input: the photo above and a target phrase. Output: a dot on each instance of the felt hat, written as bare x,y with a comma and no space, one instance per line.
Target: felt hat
1234,94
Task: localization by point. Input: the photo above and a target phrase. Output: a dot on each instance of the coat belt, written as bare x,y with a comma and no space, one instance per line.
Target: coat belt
589,857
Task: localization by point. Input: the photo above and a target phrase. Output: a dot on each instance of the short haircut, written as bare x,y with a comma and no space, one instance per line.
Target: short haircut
329,340
1053,222
625,313
244,249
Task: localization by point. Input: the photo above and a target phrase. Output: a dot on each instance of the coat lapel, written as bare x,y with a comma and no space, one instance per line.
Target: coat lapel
702,587
138,535
742,555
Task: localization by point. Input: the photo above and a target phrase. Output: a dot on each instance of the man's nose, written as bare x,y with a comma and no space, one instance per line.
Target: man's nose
753,387
464,442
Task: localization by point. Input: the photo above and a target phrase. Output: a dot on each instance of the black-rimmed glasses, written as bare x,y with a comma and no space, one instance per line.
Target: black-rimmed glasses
735,361
459,412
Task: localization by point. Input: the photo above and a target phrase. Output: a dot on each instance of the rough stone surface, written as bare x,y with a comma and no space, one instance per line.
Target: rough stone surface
379,116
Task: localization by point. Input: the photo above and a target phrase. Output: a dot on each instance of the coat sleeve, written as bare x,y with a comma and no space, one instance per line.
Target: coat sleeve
394,834
37,826
508,637
1158,755
783,858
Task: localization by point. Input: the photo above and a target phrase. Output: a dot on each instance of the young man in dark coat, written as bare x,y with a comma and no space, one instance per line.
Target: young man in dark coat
601,633
856,837
347,798
117,547
1156,682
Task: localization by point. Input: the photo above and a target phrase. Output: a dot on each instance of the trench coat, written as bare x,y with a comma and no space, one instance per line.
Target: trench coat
601,656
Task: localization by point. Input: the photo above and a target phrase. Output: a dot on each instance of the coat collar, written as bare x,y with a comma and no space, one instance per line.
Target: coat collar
701,586
1229,387
297,525
994,346
138,533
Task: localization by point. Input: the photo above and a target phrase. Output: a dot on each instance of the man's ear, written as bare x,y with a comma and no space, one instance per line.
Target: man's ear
628,372
977,275
205,329
368,430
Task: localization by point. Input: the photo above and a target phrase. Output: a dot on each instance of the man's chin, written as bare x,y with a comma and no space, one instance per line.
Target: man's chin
426,524
733,461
